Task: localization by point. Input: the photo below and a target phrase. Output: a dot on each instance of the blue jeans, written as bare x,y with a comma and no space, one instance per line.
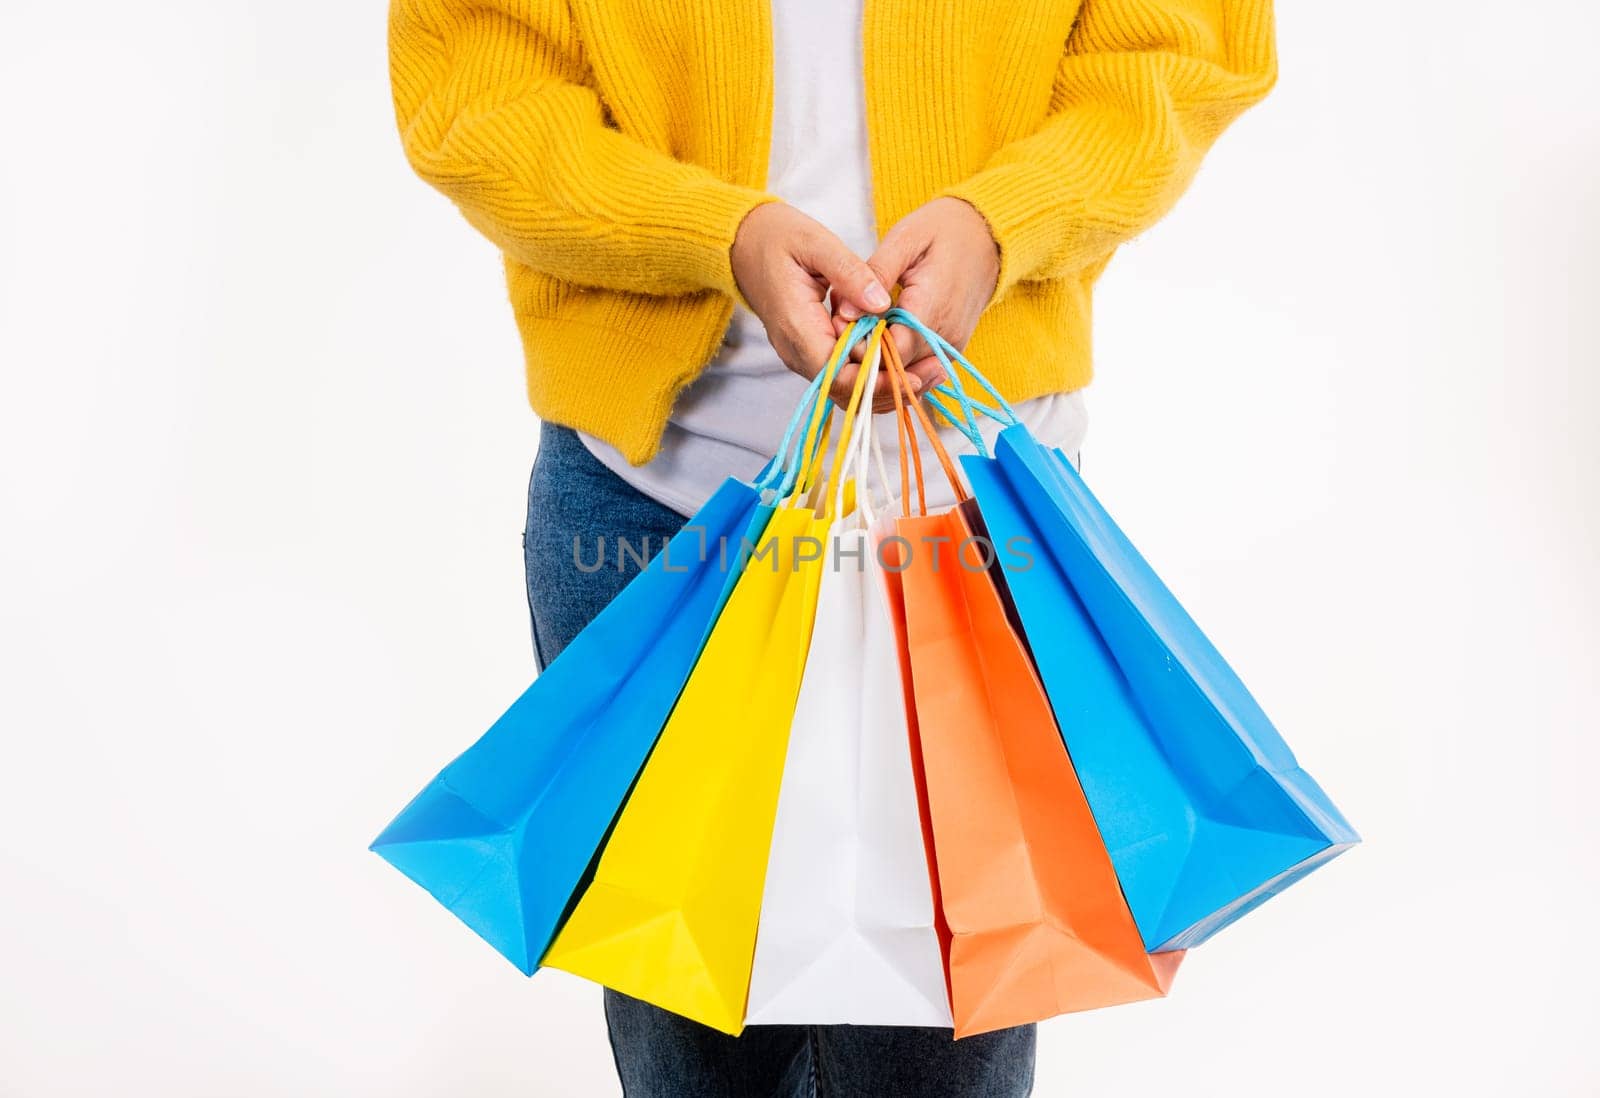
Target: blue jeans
660,1054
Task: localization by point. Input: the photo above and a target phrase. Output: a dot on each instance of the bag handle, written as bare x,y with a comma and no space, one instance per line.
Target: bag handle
864,445
810,482
949,357
800,452
857,413
866,448
902,382
778,473
788,469
903,435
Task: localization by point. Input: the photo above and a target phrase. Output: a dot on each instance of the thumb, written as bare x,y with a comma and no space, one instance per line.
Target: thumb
897,253
854,284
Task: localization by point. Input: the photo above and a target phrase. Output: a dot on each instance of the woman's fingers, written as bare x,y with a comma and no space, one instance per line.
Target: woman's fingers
789,267
853,284
791,270
813,345
927,371
908,342
883,392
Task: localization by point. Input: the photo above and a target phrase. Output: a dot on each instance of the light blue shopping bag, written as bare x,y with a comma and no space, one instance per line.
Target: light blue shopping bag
504,836
1203,807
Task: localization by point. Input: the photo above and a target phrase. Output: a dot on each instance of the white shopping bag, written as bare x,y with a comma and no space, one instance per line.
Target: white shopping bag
847,915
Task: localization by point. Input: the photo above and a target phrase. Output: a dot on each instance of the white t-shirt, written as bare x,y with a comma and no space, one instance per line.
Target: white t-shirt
730,419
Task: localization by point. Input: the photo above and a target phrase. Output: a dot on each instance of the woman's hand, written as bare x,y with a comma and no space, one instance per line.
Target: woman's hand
785,264
946,264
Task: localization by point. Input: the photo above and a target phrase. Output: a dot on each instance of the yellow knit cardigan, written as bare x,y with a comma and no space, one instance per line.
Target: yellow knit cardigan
610,148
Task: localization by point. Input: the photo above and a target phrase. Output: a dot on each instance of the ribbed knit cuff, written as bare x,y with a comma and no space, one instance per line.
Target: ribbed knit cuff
720,208
1024,207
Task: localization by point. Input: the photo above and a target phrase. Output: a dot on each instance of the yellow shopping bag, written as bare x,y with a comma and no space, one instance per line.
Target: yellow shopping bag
671,914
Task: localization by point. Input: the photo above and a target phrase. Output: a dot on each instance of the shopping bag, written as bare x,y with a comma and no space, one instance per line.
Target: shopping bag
1038,923
1203,807
847,932
504,835
670,916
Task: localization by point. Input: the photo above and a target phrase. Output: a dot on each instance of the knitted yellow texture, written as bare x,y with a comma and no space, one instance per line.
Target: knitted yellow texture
610,148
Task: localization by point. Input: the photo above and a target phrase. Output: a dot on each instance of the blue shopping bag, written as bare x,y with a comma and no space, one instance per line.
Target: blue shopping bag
1203,807
504,836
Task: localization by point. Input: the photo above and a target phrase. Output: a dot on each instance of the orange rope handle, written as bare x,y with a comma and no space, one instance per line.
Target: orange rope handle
897,370
903,434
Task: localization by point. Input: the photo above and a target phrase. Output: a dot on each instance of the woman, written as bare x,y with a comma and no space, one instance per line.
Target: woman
689,195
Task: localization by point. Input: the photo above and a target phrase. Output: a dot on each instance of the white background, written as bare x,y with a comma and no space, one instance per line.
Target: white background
263,451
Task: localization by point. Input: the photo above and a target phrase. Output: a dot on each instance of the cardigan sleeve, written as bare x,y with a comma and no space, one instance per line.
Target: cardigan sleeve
495,111
1143,89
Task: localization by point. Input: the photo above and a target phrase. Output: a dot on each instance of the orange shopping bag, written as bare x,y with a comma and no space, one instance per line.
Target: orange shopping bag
1037,922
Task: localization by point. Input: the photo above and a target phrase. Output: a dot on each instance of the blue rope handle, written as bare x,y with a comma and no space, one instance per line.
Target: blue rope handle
779,469
783,472
955,390
937,345
962,427
781,475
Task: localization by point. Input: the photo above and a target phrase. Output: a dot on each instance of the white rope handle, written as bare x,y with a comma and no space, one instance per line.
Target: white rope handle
852,463
871,440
